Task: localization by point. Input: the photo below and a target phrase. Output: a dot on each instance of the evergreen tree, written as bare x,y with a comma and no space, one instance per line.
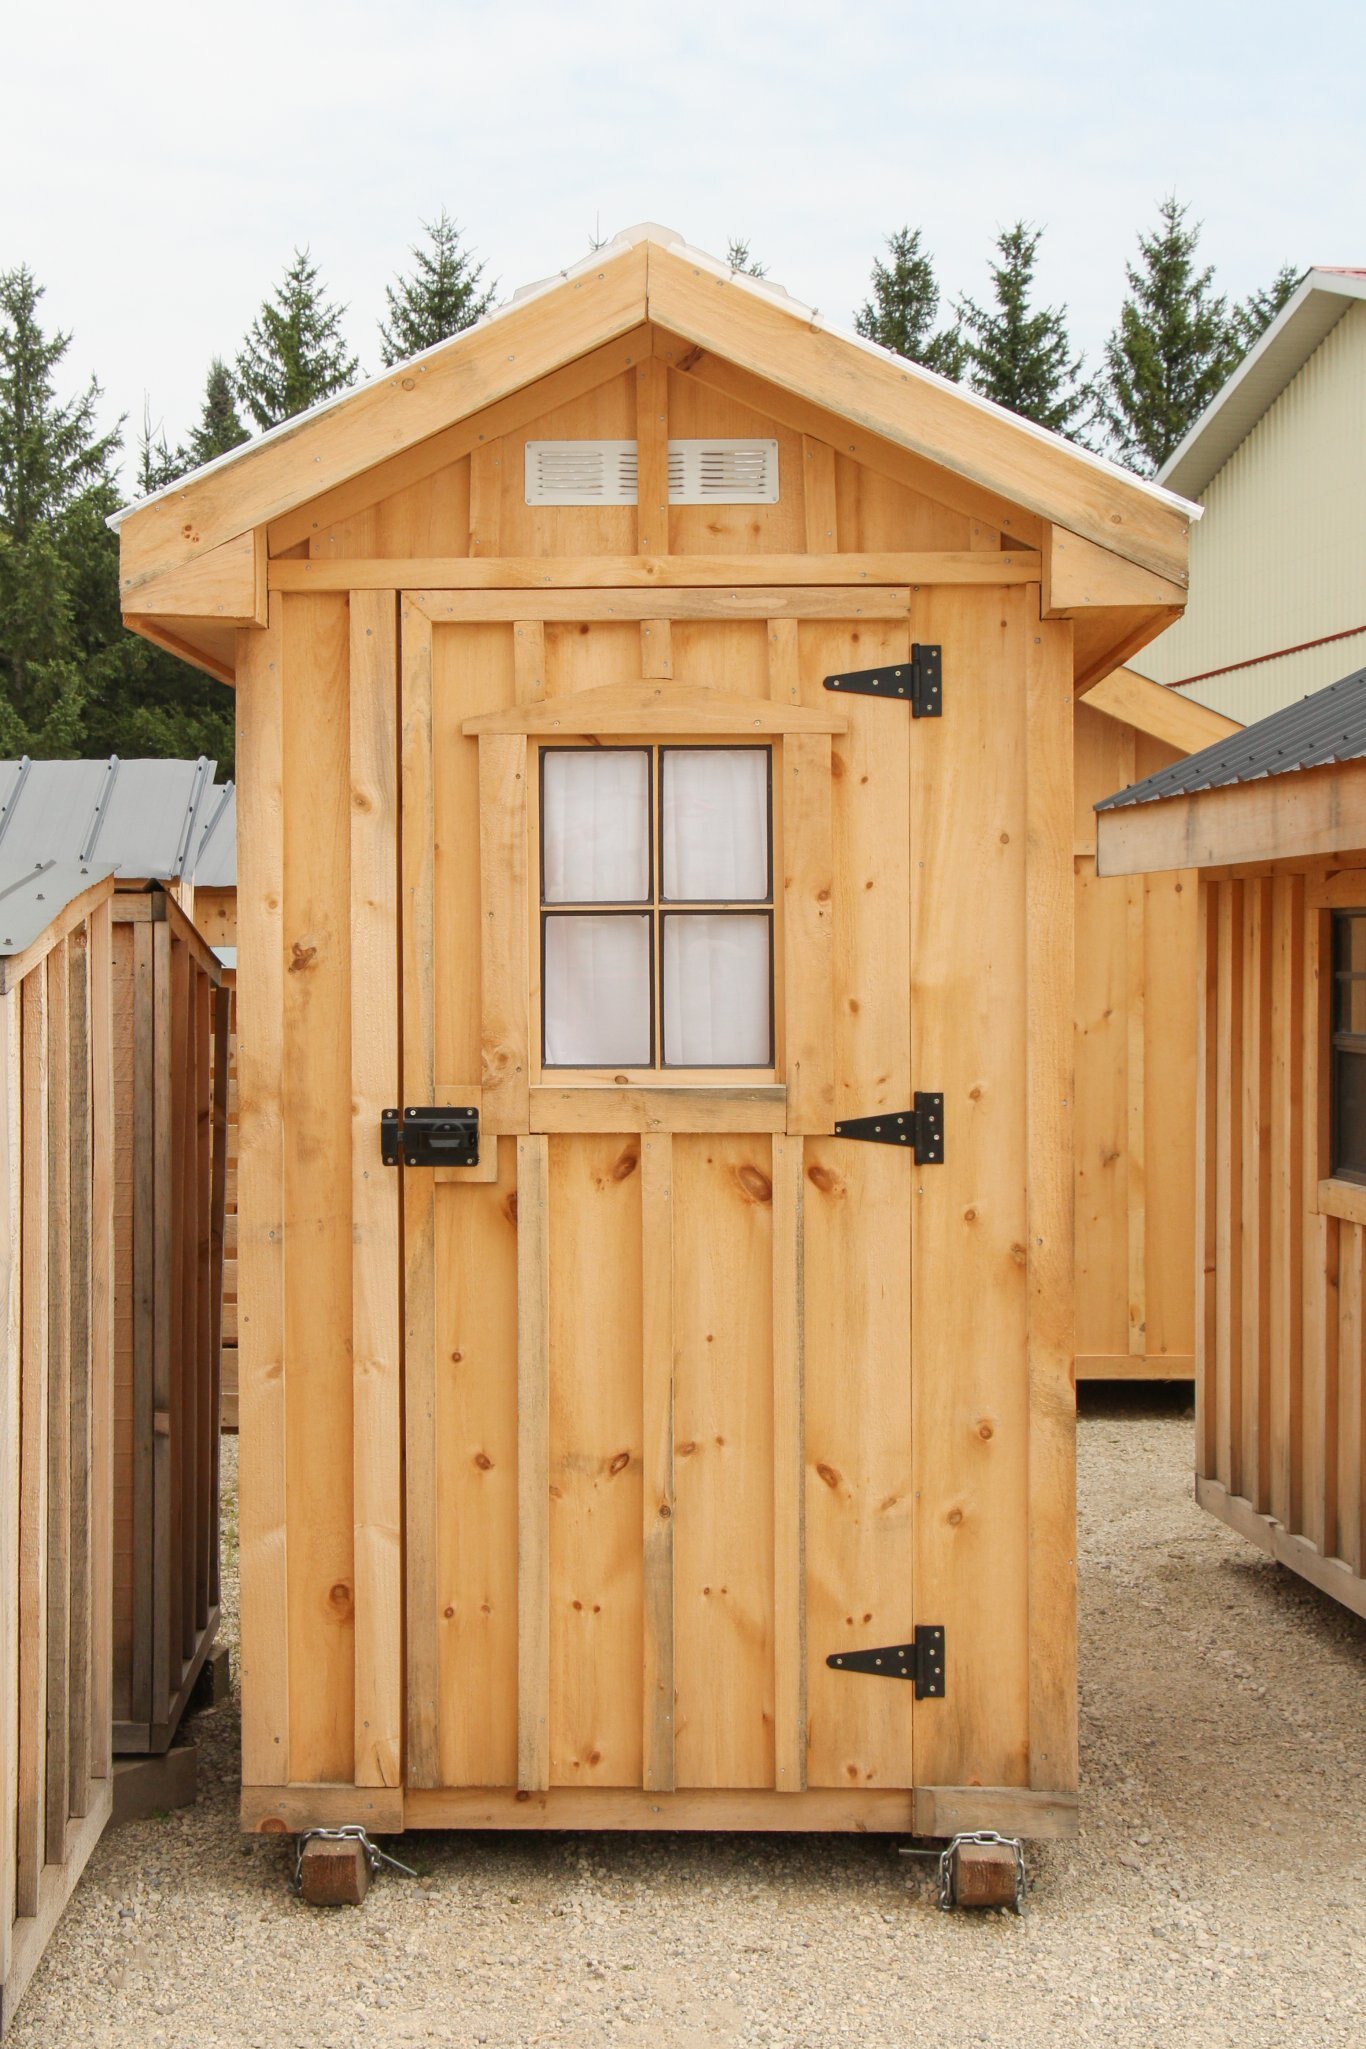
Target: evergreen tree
739,258
1260,308
295,353
72,679
904,306
158,464
51,457
441,298
1175,344
1016,355
220,427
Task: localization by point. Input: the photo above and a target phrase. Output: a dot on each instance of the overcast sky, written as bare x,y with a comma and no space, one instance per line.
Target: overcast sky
158,162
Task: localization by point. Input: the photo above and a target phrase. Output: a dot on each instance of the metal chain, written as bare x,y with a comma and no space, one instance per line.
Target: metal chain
350,1832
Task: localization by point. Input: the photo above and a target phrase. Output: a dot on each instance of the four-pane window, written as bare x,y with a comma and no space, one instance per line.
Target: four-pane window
657,907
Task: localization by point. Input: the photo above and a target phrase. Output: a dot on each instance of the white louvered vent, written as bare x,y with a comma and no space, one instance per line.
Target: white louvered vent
581,473
704,471
713,472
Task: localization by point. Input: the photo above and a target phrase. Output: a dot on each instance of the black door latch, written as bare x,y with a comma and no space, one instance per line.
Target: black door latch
429,1136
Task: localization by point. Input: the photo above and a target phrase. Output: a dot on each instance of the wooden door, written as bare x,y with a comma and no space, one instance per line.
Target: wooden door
658,1386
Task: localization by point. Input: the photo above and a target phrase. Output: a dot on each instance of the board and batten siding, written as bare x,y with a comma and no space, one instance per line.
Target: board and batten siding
1277,559
1281,1337
56,1422
1135,1034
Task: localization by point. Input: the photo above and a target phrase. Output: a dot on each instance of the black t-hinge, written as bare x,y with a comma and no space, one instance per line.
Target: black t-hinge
921,680
921,1660
920,1130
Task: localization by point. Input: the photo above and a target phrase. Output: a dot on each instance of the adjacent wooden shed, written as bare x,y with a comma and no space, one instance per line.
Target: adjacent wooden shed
56,1396
1136,961
1275,822
655,771
147,818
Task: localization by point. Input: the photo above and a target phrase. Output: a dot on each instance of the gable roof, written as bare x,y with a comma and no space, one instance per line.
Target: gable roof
648,274
1318,302
1329,726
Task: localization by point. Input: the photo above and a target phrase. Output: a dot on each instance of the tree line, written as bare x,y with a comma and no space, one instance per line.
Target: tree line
73,681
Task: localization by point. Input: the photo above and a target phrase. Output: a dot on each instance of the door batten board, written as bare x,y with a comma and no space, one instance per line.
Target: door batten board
732,601
657,1316
789,1481
533,1464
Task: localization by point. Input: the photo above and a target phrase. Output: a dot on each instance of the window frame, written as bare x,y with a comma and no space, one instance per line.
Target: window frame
1340,1042
660,1073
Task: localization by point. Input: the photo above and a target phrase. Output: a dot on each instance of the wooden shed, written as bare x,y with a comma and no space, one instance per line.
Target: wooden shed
655,786
1136,956
147,819
56,1396
1275,822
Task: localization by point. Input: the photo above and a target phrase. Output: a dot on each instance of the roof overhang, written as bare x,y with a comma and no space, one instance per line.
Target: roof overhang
1313,310
1305,815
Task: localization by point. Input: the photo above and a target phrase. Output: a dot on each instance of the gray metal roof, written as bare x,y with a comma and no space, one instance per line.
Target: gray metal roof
144,818
31,900
1329,726
215,864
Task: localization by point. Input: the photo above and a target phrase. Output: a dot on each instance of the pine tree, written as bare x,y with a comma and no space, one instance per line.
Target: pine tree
739,258
295,353
904,306
72,679
158,463
1260,308
1175,344
1017,356
441,298
51,457
220,428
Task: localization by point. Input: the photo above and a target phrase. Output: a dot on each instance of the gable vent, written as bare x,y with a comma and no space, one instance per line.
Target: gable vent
705,471
581,473
712,472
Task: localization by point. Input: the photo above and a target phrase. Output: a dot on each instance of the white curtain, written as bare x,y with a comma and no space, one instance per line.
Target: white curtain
595,825
717,980
597,991
715,824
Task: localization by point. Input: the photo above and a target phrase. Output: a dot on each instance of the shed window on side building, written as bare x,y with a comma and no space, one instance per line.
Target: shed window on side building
1348,1122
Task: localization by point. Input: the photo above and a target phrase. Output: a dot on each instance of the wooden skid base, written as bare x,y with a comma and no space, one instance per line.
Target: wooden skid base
929,1811
138,1739
334,1874
985,1876
1330,1575
33,1931
144,1786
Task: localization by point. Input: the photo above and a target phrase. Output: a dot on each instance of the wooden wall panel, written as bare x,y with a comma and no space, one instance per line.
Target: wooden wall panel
1282,1322
723,1448
475,1465
595,1472
1135,1051
56,1402
315,1083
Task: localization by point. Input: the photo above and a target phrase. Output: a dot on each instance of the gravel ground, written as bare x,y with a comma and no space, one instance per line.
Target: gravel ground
1217,1894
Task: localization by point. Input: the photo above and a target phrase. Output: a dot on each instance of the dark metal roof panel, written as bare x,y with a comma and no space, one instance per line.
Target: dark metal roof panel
32,897
144,818
1326,727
